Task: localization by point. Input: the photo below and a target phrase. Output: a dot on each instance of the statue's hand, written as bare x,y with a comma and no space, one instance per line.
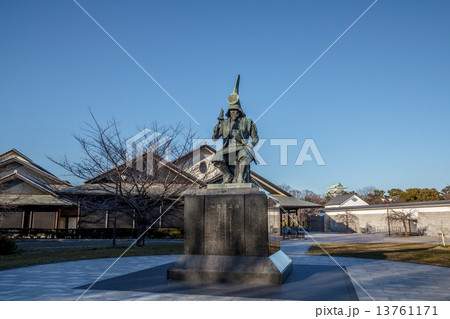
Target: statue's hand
217,131
220,117
247,144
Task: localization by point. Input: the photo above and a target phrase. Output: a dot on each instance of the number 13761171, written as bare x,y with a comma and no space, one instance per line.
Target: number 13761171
407,310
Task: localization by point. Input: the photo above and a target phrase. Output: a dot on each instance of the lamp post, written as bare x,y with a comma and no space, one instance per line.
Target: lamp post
388,200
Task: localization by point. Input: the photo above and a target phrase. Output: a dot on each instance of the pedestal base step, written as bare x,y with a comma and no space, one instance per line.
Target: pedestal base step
252,270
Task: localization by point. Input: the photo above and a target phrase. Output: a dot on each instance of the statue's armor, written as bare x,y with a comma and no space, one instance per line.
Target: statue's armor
234,159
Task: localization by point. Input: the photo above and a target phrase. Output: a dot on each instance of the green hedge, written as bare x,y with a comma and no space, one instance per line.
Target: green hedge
99,233
7,245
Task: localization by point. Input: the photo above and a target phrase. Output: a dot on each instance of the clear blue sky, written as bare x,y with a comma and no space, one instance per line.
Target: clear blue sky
377,104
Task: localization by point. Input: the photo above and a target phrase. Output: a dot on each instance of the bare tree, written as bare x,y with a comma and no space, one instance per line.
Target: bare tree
365,191
403,216
306,194
141,186
310,196
348,219
371,195
285,187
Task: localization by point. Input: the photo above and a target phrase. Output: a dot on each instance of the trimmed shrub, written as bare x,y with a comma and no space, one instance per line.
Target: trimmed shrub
173,233
7,245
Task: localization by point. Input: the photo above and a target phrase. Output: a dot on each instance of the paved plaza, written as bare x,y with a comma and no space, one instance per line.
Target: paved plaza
377,279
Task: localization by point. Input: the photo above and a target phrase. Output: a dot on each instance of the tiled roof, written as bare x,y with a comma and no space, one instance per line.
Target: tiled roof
294,202
338,200
40,201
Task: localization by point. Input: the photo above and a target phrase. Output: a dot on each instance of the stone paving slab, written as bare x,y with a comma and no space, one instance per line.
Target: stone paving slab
383,280
316,277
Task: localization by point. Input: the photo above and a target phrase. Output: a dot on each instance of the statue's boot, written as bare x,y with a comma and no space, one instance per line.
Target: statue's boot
227,176
240,172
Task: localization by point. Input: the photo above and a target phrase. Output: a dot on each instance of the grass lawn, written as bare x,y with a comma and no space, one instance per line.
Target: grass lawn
34,256
414,253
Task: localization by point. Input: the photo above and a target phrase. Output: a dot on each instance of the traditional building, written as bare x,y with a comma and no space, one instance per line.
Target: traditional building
345,201
336,190
28,196
425,218
32,198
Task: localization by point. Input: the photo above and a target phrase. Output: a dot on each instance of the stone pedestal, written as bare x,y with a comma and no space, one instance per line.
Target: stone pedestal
227,238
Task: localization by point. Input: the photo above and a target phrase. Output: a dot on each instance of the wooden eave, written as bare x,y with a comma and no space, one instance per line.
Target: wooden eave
34,168
15,175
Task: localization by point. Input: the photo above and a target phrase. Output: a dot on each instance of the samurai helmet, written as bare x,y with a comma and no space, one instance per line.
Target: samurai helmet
233,99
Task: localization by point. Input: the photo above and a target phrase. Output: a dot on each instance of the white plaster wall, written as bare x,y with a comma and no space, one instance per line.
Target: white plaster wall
351,202
432,223
431,220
